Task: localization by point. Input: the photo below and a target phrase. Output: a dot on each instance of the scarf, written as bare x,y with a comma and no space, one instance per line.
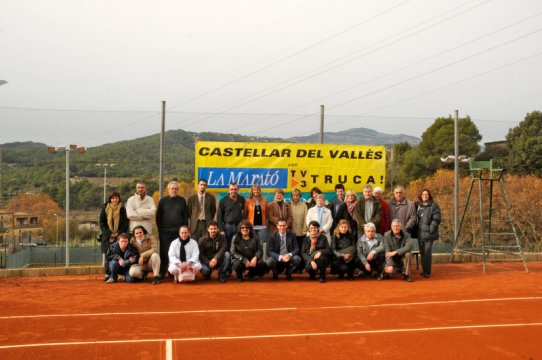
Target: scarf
183,251
350,207
113,217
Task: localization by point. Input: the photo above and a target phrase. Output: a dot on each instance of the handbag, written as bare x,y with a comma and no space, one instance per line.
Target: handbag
187,275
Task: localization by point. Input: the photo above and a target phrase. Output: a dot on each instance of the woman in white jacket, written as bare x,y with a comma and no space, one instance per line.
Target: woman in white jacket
322,215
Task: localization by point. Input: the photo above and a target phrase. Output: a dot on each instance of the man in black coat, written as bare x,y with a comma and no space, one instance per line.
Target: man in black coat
213,253
171,214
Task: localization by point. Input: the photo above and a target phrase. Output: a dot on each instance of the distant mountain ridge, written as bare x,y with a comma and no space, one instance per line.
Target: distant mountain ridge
360,136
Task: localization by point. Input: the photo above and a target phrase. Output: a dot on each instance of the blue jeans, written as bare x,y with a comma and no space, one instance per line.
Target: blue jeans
223,265
115,270
262,235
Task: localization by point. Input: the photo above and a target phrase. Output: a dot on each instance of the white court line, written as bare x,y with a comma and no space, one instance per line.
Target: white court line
443,302
148,313
210,311
169,349
274,336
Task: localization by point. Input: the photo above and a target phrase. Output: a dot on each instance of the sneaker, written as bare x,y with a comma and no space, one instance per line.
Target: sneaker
156,280
407,278
111,280
106,277
222,278
322,280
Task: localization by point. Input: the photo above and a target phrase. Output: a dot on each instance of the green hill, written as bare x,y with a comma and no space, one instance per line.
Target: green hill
28,167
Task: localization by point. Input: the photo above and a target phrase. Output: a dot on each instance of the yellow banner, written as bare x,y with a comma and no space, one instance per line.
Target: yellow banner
289,166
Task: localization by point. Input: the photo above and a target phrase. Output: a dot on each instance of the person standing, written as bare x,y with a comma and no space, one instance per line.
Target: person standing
299,227
201,210
403,209
385,220
428,217
171,214
278,209
338,206
256,212
367,209
140,208
322,215
350,201
113,221
230,212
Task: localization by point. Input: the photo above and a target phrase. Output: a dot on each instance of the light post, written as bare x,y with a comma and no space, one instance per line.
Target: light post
456,160
67,149
105,166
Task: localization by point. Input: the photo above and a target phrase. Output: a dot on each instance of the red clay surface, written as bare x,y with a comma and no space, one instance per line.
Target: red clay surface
458,313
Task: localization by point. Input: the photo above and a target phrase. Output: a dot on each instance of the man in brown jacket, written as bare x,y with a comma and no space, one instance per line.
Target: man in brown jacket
201,210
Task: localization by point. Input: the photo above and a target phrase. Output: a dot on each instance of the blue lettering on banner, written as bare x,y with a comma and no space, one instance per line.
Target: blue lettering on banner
244,177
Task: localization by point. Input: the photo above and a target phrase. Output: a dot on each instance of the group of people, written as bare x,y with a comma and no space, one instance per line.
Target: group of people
252,236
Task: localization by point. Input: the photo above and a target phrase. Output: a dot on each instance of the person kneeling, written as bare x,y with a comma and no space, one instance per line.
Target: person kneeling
398,247
120,257
246,253
213,254
316,252
149,259
184,257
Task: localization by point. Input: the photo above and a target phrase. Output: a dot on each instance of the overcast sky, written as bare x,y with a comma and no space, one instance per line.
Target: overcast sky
93,72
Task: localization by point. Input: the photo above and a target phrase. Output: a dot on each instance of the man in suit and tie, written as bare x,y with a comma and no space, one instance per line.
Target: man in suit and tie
201,210
283,251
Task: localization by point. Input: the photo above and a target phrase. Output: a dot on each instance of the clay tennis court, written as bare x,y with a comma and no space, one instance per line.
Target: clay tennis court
459,313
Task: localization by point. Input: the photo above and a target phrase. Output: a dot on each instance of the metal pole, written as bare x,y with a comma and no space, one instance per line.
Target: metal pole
105,183
456,173
1,170
57,239
321,124
67,206
162,149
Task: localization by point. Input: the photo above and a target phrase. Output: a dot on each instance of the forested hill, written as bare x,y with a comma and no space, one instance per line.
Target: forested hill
28,167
